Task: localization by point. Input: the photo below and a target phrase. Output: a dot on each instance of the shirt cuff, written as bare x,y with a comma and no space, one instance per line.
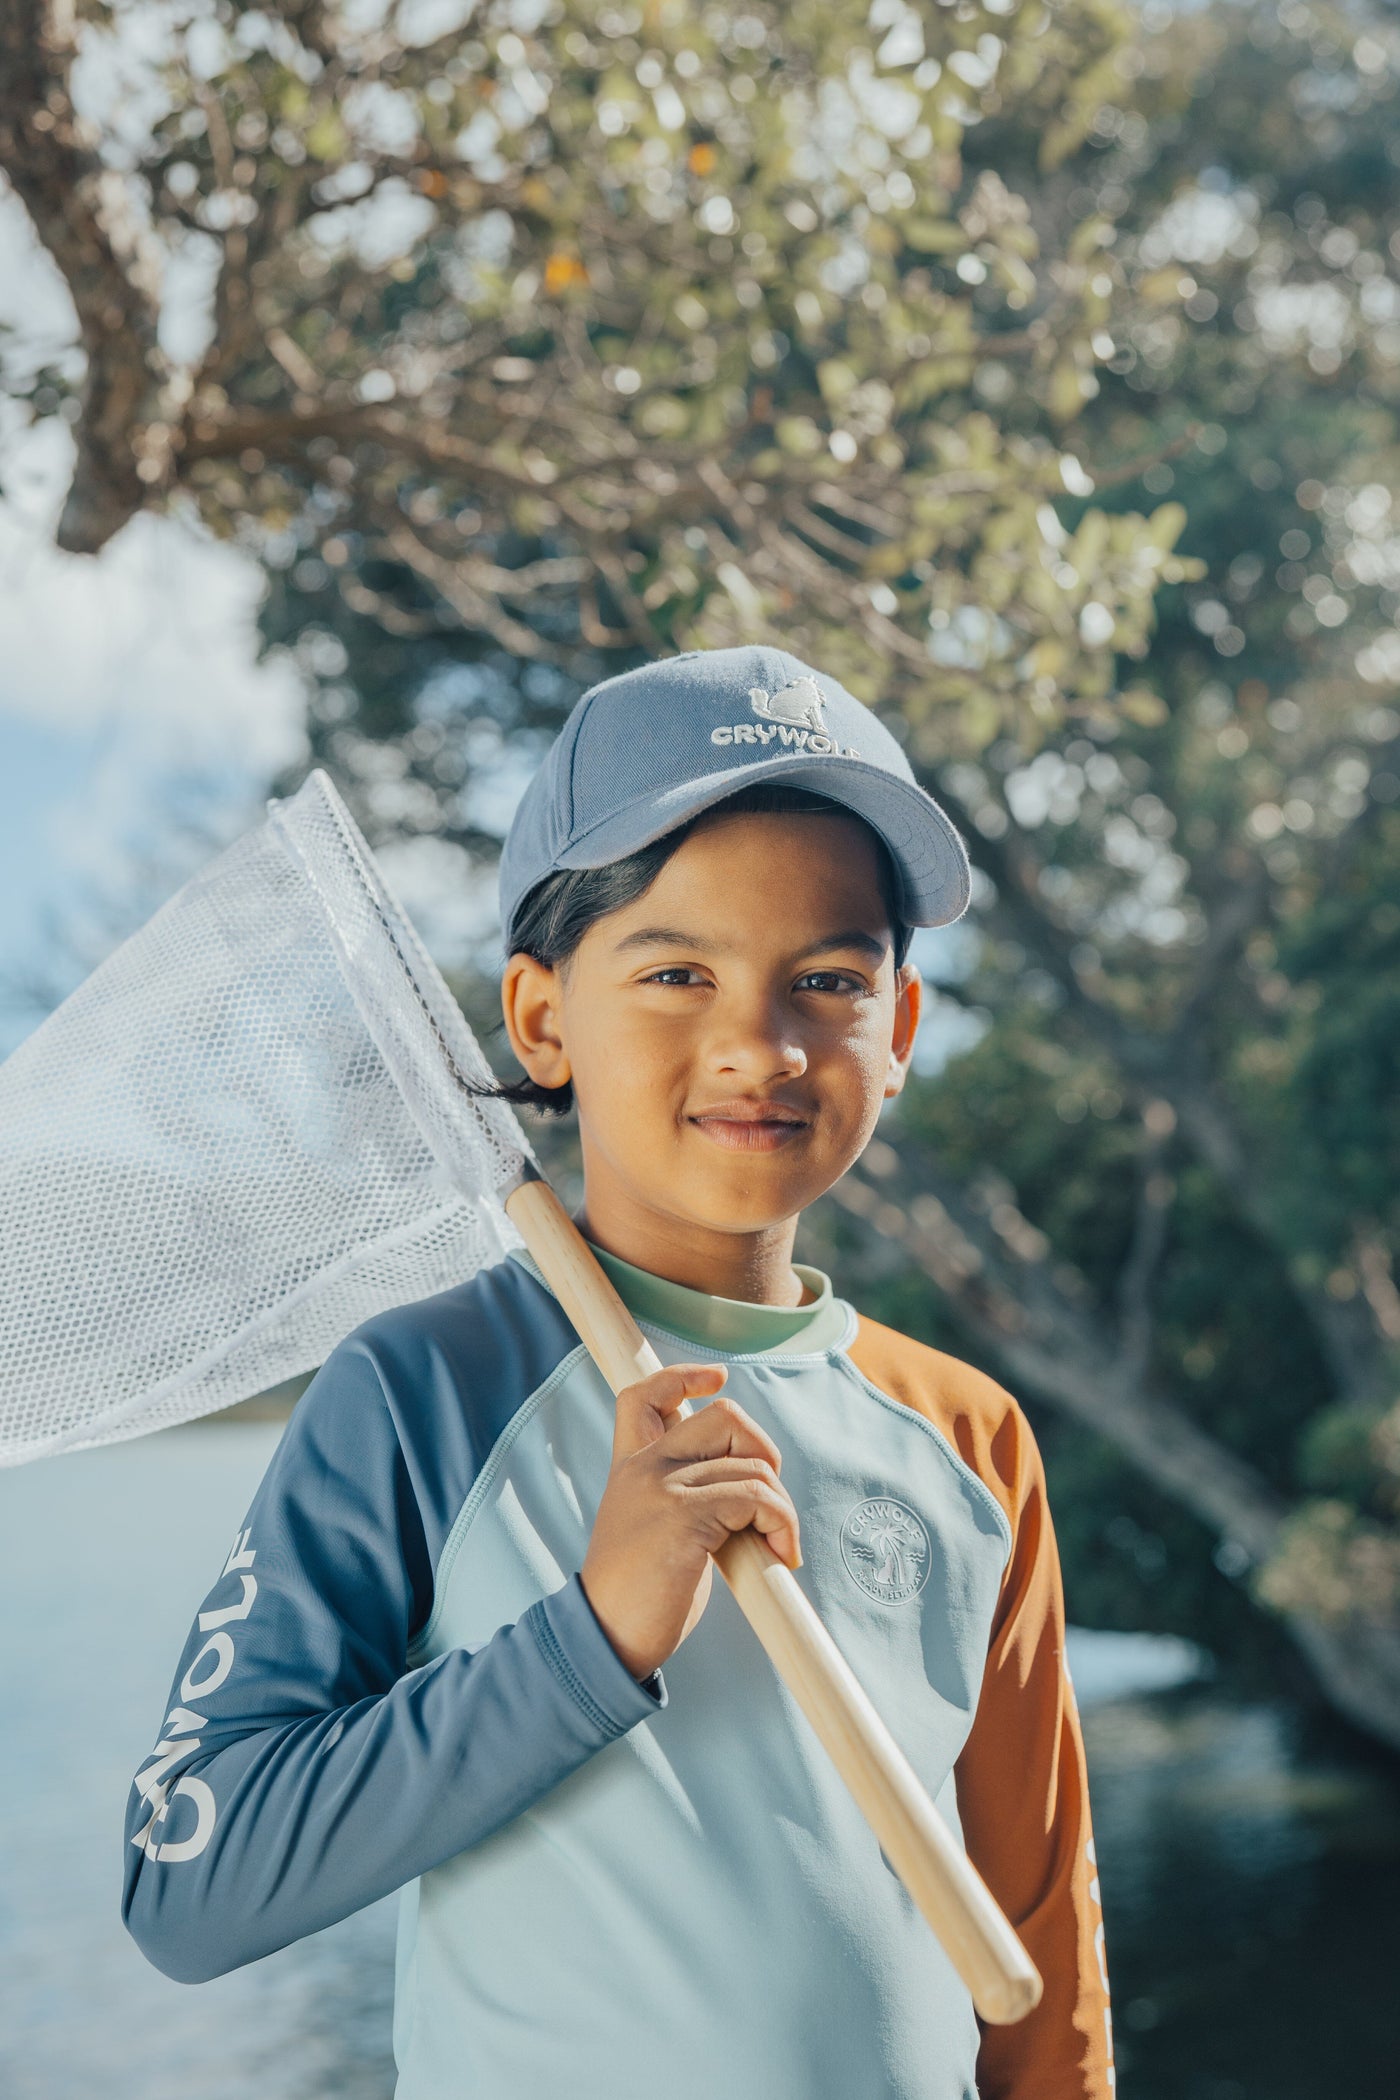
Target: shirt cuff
585,1662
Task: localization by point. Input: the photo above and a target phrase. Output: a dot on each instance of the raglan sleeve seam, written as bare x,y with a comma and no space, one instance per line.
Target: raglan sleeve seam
570,1640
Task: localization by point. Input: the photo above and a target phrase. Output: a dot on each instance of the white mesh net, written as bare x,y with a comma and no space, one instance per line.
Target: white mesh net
242,1136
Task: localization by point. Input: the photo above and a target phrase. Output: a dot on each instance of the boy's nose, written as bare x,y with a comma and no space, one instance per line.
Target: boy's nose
758,1046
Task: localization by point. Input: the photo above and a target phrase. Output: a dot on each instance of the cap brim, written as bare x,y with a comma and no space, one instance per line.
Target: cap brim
928,854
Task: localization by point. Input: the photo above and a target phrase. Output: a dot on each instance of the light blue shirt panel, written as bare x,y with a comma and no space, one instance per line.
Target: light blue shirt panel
708,1871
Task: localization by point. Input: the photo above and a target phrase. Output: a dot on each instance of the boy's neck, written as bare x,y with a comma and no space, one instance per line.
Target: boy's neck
755,1267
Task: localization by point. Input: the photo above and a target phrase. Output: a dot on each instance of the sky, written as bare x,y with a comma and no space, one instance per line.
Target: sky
130,695
130,688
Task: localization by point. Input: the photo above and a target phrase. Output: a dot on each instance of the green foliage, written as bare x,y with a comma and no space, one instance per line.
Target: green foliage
1342,1040
619,329
1339,1452
1262,184
1135,1561
1334,1564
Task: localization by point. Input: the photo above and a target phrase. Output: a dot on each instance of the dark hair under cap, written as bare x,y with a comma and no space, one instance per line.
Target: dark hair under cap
554,916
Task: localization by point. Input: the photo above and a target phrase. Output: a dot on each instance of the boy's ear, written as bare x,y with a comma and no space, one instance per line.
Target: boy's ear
530,1007
909,1004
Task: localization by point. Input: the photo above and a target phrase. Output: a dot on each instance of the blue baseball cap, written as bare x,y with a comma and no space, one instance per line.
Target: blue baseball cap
644,752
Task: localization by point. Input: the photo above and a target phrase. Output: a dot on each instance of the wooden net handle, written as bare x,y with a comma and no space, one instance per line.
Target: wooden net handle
914,1837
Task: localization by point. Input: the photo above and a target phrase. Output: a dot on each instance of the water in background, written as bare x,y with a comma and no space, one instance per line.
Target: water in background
1251,1884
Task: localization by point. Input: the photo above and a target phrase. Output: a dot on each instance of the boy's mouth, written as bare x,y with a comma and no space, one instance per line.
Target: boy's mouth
750,1126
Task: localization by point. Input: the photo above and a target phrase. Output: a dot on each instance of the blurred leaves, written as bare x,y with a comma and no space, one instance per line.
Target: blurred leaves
1199,904
1333,1564
682,293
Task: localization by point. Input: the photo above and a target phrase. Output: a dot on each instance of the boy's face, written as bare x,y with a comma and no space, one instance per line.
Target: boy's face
731,1034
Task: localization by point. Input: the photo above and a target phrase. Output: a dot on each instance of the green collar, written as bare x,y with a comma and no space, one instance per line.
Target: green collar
731,1326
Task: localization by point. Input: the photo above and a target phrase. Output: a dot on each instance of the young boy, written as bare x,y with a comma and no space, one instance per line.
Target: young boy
434,1658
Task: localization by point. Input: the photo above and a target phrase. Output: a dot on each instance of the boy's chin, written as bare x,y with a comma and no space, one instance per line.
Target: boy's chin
755,1203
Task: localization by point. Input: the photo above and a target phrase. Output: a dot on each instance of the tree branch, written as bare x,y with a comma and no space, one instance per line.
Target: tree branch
375,605
1053,1348
1046,1346
56,178
1014,871
1155,1190
1242,901
474,607
1378,1281
1133,469
1171,1062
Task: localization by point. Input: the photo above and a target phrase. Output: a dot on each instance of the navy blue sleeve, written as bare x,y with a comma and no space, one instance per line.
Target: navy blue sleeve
303,1769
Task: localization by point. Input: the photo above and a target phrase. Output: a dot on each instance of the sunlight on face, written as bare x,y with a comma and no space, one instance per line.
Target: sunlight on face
732,1033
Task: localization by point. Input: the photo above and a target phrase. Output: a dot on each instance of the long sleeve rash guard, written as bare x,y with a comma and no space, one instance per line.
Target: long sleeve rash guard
397,1682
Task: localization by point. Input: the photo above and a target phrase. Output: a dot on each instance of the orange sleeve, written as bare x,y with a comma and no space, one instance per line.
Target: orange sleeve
1021,1782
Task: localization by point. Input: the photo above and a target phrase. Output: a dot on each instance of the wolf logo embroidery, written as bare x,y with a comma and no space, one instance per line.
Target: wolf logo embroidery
799,703
792,719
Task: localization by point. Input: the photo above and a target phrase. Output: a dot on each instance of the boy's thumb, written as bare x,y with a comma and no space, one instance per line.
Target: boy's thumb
646,1410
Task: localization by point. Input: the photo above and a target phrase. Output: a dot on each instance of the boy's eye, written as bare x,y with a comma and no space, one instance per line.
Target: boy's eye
830,981
685,976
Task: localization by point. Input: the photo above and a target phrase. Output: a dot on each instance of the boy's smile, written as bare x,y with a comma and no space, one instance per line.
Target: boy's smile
747,1125
730,1036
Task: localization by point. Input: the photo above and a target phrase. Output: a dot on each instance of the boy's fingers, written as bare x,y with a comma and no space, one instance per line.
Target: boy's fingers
720,1430
736,1505
645,1409
714,1472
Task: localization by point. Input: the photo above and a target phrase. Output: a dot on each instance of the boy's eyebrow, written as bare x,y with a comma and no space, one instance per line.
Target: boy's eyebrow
852,937
675,937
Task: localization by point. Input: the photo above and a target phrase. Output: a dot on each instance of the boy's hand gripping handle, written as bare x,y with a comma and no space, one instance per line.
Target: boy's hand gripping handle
916,1841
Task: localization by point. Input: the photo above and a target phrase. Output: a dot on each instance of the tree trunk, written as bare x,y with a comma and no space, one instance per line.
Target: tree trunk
57,178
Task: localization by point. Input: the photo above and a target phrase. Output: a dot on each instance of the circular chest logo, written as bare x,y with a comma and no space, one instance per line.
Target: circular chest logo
886,1548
